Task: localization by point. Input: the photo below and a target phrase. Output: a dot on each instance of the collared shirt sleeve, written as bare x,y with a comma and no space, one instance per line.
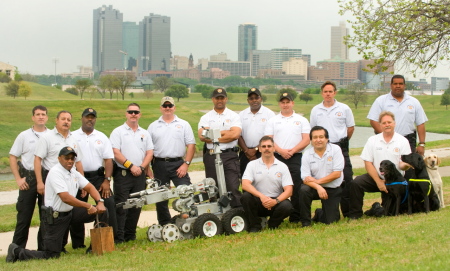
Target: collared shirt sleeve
305,169
375,109
269,127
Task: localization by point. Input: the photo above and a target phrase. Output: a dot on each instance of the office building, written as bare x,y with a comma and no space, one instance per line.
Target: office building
219,57
342,72
241,68
439,84
154,43
260,59
296,66
130,44
247,41
107,39
280,55
338,48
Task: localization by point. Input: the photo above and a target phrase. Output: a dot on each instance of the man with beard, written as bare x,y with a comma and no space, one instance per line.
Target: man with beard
98,167
230,127
254,120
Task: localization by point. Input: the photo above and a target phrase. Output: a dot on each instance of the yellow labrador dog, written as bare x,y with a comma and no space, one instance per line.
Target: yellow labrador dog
432,161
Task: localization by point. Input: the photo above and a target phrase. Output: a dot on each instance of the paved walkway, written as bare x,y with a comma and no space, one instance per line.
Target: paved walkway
148,218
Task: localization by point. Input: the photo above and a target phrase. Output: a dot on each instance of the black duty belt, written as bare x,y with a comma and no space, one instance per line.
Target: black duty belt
169,159
57,214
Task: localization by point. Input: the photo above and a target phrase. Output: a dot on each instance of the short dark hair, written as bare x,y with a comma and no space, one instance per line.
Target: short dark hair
134,104
264,138
328,83
318,128
63,111
39,107
397,76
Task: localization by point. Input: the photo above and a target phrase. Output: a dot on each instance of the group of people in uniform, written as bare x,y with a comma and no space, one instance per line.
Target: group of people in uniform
265,152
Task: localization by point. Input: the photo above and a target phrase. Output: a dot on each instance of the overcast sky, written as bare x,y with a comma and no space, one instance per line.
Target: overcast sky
36,31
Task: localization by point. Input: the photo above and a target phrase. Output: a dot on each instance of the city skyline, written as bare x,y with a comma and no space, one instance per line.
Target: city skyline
39,31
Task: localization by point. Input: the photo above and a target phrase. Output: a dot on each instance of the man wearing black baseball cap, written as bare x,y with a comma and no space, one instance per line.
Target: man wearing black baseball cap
61,208
254,120
229,124
290,131
98,167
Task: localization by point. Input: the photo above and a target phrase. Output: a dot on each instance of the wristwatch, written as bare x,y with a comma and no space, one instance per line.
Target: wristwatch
100,200
278,201
421,144
108,178
187,163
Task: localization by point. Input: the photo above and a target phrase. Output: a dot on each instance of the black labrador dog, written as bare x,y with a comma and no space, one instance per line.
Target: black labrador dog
397,189
421,191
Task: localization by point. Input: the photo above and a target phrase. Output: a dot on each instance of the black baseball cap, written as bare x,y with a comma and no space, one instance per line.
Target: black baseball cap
253,90
89,111
219,92
285,95
66,151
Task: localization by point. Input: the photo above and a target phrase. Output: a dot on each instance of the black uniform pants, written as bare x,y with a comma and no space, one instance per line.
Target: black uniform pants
55,232
243,160
348,176
330,207
127,219
361,184
164,172
77,230
230,161
254,210
25,206
294,164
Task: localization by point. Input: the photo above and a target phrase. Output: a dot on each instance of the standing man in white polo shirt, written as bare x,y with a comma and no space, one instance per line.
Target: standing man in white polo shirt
254,120
230,127
322,176
171,137
268,185
409,114
98,168
290,131
133,151
388,145
23,171
338,119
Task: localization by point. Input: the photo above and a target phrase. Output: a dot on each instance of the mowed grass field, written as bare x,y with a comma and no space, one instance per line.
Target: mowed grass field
416,242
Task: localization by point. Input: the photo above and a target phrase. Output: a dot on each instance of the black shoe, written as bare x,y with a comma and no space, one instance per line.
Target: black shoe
317,214
63,250
89,250
80,246
306,225
11,257
376,210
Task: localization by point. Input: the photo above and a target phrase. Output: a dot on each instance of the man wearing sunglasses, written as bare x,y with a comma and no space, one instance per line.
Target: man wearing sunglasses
171,137
230,127
133,151
61,208
267,184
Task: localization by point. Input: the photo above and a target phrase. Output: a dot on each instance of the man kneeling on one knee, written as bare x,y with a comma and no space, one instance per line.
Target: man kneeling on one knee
61,208
322,176
268,185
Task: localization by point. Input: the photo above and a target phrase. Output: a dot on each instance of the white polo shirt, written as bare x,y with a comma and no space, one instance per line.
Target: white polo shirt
336,119
408,113
95,147
61,180
133,145
269,181
287,132
51,143
170,139
318,167
377,150
224,122
25,145
253,125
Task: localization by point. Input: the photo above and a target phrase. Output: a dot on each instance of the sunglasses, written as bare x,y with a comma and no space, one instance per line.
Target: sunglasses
131,112
167,105
266,146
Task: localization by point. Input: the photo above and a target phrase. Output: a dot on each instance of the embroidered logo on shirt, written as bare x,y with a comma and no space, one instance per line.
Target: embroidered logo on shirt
178,126
410,107
297,122
278,174
330,158
99,142
263,120
339,114
396,149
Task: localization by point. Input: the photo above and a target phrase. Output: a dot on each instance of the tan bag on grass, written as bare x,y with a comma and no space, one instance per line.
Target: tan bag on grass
102,238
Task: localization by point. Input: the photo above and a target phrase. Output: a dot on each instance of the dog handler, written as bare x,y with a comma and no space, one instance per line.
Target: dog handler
387,145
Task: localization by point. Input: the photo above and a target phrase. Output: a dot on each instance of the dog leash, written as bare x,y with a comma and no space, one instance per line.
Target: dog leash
402,183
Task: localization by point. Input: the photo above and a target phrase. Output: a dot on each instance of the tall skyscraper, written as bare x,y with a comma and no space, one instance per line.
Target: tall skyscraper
247,41
154,43
338,48
130,44
107,39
